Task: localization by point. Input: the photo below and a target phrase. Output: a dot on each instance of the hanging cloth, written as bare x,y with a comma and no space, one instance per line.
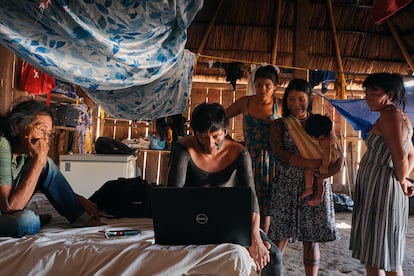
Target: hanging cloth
308,147
321,76
233,72
35,81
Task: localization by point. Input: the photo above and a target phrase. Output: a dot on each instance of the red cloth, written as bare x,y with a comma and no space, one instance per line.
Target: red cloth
35,81
383,9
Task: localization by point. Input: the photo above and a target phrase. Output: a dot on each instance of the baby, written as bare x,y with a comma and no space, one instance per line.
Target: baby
319,127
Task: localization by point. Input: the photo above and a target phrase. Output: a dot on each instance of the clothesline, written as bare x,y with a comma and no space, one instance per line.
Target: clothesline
198,55
307,70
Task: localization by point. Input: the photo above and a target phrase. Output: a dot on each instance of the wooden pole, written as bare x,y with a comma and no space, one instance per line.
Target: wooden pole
210,27
400,43
341,75
7,76
277,31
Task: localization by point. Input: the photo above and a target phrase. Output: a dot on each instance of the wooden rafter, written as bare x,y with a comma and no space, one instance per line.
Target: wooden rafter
400,43
277,31
210,27
341,77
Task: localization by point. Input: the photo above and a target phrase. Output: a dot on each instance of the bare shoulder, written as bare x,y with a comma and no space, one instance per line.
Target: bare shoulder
234,148
390,118
187,141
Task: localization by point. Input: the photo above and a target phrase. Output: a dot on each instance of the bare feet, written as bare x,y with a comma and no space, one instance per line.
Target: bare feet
315,201
306,193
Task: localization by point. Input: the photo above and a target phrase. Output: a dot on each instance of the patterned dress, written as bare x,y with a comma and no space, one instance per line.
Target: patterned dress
380,215
256,136
291,217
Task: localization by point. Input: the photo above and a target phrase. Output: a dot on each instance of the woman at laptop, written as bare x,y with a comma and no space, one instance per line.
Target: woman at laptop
210,159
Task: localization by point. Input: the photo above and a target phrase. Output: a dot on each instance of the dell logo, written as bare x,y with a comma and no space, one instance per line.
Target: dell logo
201,218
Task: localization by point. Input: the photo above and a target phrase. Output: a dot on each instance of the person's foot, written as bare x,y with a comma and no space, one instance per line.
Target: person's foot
314,201
45,219
306,193
318,196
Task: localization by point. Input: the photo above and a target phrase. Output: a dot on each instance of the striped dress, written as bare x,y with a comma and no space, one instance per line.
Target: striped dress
380,215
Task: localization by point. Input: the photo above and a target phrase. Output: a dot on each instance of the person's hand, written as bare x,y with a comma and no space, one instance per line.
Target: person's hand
408,187
37,145
260,252
323,170
90,208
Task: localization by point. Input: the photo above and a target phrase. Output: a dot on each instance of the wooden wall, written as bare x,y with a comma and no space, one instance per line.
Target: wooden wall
156,163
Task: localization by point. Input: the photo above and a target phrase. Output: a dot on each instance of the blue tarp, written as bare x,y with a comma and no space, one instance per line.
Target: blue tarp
358,114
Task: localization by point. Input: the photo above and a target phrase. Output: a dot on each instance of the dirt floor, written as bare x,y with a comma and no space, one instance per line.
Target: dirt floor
335,256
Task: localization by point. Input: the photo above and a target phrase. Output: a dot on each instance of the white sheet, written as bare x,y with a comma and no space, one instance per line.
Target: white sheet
60,250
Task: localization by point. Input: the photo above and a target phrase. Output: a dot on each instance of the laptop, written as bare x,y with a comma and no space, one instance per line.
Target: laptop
200,215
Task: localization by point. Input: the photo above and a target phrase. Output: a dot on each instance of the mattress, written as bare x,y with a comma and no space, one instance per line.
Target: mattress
61,250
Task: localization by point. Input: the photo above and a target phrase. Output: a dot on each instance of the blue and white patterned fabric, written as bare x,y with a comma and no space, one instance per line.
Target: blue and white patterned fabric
127,54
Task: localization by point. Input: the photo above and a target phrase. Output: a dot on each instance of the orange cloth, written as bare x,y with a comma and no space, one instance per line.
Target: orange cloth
308,147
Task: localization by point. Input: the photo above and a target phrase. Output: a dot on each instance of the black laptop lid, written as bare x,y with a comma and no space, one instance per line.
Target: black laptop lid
194,215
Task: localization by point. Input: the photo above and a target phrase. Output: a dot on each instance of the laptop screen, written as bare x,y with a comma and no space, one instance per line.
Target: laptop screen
201,215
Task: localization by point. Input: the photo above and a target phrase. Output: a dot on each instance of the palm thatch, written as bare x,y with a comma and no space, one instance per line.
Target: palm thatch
335,35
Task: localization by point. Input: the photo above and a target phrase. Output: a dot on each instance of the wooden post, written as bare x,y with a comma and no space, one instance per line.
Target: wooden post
300,39
341,77
277,31
7,74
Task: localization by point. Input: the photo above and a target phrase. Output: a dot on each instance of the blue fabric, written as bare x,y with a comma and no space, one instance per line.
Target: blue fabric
321,76
20,223
58,191
357,113
105,46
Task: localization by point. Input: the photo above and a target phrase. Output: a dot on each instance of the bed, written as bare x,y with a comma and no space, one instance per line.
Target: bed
61,250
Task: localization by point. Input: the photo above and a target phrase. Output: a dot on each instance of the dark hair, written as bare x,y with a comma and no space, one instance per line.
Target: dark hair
267,72
21,116
317,125
208,117
390,83
299,85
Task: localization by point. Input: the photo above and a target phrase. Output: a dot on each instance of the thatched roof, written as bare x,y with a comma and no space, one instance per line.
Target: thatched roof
300,34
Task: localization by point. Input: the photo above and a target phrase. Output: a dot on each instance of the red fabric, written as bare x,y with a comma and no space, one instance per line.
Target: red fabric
35,81
383,9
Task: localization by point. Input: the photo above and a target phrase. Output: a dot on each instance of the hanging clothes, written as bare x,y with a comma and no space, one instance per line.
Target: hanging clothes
323,77
233,72
35,81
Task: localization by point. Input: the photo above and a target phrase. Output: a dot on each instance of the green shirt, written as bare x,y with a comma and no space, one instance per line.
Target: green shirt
9,168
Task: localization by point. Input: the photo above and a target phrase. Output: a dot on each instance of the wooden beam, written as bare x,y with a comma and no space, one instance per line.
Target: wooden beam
276,31
341,76
300,39
7,77
400,43
210,27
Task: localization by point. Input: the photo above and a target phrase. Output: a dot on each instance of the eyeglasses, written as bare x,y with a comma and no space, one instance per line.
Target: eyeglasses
49,135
